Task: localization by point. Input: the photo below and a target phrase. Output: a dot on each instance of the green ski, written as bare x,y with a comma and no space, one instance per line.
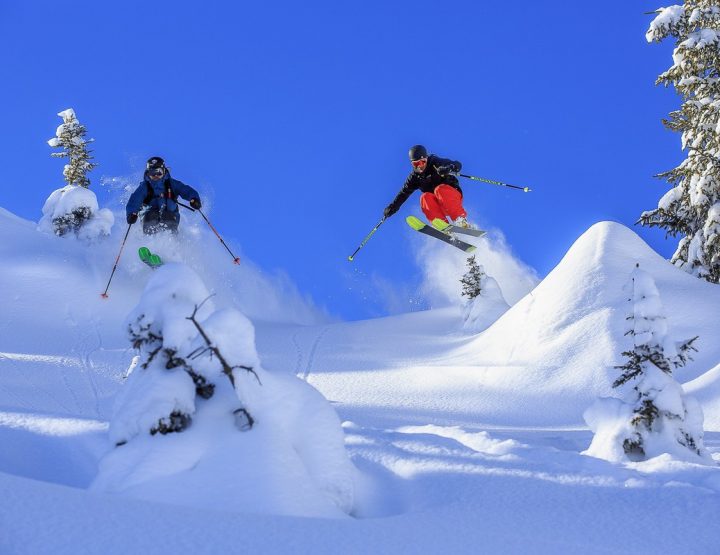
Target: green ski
152,260
422,227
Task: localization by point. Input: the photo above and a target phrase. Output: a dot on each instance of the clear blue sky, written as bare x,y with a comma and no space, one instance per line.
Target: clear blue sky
298,116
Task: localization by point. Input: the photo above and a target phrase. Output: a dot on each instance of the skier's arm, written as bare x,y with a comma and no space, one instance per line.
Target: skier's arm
445,166
185,191
135,202
401,197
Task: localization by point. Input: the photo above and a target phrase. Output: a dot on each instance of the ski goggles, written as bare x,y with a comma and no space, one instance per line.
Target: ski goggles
419,163
156,172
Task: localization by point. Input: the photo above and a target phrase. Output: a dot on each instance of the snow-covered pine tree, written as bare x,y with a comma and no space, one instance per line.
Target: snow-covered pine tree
472,279
661,413
692,207
74,207
70,136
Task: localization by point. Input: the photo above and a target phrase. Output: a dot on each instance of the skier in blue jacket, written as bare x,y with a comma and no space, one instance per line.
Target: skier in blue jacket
159,192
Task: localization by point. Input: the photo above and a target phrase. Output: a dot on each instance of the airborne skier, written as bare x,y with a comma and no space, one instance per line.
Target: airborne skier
159,191
441,194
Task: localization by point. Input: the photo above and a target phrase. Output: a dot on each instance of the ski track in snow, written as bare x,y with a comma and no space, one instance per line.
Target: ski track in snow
313,352
299,354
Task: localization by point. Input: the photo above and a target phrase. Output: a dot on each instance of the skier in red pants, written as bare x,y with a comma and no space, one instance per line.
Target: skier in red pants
441,194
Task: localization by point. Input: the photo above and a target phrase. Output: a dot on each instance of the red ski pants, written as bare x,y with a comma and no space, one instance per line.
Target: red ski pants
443,202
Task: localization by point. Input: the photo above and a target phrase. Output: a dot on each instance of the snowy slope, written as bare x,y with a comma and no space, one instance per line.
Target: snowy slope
63,347
463,443
541,364
563,339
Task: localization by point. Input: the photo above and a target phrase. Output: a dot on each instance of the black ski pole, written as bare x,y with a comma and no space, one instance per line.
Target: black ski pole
352,256
493,182
104,294
236,259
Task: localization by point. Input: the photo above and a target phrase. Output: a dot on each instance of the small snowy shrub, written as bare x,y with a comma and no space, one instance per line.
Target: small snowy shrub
472,279
199,422
178,352
74,209
656,417
485,302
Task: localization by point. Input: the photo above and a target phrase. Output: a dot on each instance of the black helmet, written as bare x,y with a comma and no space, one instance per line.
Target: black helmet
155,162
417,152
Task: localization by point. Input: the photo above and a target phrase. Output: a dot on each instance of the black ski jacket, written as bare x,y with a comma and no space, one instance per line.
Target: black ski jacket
427,181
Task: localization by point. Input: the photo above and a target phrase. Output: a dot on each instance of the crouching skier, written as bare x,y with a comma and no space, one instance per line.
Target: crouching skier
159,192
441,194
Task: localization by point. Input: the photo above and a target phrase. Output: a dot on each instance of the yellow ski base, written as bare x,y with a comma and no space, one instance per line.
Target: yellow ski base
415,223
439,224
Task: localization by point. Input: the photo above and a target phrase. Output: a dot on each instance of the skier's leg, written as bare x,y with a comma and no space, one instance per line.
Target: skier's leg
151,221
170,220
450,201
431,207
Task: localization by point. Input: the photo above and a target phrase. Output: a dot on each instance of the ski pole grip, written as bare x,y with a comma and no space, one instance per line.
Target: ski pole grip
185,206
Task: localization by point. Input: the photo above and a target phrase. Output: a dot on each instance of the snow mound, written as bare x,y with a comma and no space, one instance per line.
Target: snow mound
74,208
201,423
562,340
486,308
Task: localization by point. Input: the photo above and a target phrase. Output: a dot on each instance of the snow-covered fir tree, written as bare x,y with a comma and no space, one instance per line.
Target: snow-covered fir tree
472,279
691,208
74,208
70,137
656,417
485,302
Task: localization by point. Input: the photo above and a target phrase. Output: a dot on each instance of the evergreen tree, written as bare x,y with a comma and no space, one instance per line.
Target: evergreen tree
692,207
472,280
660,408
70,136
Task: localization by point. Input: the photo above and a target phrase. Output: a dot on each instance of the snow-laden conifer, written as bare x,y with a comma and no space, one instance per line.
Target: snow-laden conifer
70,137
74,208
691,208
485,302
472,279
656,416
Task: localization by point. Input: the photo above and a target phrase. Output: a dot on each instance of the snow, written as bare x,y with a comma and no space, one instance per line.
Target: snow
666,19
486,308
67,200
399,434
442,270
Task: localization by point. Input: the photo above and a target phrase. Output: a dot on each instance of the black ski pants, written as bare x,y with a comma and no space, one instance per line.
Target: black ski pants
160,220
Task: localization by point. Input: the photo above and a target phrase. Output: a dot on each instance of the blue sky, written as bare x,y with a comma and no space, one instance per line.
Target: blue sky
295,119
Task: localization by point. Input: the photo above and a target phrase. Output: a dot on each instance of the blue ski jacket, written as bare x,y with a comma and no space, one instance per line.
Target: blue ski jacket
160,194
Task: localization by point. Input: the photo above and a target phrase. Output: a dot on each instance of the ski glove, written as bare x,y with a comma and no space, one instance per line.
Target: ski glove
445,170
195,203
389,211
132,218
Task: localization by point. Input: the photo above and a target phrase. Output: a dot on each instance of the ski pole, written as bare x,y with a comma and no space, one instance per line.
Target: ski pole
236,259
185,206
493,182
352,256
104,294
